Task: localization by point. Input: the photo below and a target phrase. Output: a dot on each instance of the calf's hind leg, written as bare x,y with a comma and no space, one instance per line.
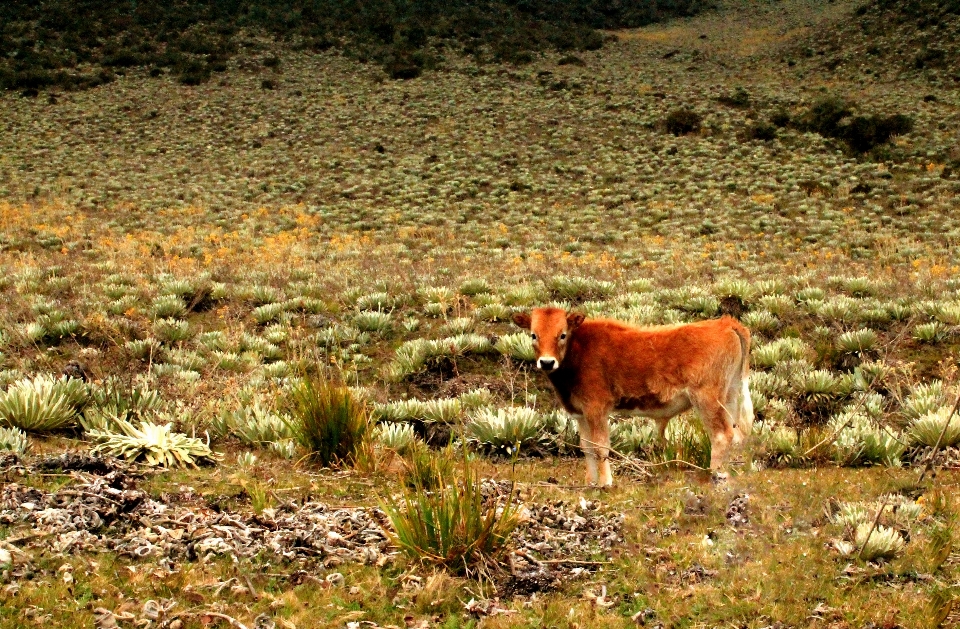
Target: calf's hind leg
719,426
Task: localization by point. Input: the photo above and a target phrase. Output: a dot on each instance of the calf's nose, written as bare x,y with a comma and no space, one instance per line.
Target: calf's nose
547,364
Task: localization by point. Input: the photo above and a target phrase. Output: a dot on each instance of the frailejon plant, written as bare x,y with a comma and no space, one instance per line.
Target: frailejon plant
414,356
633,437
43,404
760,321
862,442
253,420
923,399
397,437
507,430
518,346
774,352
375,321
152,444
453,526
328,421
857,341
14,440
113,399
778,445
926,429
932,332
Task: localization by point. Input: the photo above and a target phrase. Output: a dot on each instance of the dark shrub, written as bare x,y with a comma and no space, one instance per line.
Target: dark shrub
267,84
125,58
402,65
271,62
780,118
121,33
833,117
863,133
824,116
763,131
740,99
192,72
682,121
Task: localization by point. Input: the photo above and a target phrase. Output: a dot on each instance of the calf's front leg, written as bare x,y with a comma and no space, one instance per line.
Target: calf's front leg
586,445
595,442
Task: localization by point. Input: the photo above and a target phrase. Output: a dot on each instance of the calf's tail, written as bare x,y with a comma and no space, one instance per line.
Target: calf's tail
745,420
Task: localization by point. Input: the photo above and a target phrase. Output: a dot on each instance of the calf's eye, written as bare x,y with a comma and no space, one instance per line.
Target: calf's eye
563,336
533,336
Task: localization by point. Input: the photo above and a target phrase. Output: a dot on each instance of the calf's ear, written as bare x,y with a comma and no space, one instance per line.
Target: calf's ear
574,319
522,319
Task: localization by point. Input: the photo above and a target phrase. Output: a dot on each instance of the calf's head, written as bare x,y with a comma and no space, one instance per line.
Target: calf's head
550,329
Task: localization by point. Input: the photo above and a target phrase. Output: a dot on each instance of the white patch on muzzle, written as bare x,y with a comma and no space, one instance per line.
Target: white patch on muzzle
550,360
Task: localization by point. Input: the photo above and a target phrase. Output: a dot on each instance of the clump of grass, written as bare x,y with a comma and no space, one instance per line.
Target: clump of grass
43,404
686,442
328,421
428,470
454,526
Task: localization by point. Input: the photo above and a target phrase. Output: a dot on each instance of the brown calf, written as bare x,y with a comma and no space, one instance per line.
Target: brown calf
600,365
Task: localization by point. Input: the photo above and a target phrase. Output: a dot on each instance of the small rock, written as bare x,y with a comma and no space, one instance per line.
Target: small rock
335,579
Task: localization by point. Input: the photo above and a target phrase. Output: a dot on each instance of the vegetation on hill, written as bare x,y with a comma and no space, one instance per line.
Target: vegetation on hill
82,44
888,38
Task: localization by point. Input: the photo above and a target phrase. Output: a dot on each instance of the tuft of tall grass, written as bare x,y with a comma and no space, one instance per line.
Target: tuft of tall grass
454,526
328,421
